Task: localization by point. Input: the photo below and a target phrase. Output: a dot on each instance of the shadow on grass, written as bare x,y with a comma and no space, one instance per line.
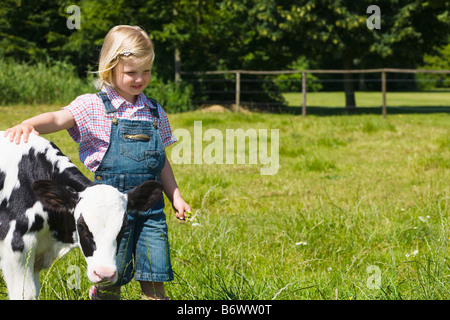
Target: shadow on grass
336,111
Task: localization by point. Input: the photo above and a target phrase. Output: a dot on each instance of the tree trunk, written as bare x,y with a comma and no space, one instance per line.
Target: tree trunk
349,87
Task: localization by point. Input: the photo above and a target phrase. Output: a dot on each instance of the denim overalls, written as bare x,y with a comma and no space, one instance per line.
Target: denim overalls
136,154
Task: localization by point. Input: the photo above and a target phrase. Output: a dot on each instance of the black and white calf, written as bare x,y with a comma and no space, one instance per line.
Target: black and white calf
48,207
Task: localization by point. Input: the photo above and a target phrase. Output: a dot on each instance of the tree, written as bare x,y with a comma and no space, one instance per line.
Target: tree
24,27
440,61
228,34
224,35
336,30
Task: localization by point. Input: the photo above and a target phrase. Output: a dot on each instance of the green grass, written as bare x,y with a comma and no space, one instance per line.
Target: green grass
371,99
361,191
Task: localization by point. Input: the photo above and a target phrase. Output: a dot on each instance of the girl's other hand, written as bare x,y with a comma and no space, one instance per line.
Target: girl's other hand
180,207
16,132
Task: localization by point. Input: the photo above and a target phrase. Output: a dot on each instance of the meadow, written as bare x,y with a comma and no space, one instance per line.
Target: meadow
371,99
357,210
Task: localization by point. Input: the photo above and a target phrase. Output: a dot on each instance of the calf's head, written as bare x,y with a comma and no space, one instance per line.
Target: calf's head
100,216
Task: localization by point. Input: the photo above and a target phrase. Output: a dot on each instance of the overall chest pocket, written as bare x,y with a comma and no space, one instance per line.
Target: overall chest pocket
142,145
135,144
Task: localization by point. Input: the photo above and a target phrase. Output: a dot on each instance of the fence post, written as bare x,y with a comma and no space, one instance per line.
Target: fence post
304,94
383,93
238,90
177,60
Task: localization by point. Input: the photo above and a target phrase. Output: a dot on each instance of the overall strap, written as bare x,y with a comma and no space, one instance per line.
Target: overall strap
154,111
109,108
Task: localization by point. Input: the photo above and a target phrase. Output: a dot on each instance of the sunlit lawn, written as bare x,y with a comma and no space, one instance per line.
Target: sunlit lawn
371,99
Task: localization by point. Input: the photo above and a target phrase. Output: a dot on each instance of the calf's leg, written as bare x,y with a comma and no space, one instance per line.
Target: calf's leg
18,273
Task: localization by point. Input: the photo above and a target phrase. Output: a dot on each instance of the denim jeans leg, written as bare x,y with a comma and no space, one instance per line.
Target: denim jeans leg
124,259
152,250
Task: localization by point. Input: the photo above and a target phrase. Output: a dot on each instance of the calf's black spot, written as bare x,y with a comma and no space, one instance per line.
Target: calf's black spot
87,242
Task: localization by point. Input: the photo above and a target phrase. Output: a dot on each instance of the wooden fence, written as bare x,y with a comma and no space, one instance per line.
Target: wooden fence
382,71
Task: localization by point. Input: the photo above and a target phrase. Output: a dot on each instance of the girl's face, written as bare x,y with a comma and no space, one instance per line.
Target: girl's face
131,78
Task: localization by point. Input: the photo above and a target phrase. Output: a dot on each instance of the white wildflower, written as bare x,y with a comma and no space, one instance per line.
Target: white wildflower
414,253
193,218
424,219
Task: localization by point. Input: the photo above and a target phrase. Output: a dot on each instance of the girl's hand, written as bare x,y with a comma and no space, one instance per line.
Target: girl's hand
180,206
44,123
16,132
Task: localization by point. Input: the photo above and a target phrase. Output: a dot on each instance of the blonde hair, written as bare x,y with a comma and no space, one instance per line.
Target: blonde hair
123,42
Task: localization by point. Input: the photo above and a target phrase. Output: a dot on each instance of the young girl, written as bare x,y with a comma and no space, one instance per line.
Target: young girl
122,136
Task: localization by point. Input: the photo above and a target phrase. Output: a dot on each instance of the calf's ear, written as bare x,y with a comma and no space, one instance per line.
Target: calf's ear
144,196
53,196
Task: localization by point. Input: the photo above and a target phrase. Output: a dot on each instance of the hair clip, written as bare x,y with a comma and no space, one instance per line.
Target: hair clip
126,54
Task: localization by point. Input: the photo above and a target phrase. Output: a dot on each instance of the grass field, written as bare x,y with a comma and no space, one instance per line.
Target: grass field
372,99
357,210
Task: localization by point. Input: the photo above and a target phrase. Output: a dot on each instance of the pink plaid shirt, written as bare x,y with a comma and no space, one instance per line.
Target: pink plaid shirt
93,125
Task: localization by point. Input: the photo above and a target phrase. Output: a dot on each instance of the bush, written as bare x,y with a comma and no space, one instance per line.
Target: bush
293,82
172,97
58,83
432,81
40,83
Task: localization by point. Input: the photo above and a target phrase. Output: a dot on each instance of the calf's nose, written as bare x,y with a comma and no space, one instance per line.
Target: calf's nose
106,273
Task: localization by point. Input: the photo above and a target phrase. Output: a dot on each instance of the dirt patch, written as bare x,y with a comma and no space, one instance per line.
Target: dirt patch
215,108
221,109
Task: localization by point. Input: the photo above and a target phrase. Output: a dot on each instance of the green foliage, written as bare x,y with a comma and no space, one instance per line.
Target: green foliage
338,28
55,83
293,82
173,97
336,35
58,83
249,34
219,35
440,61
25,26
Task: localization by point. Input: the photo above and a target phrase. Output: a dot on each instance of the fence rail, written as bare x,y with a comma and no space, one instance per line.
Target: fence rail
382,71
